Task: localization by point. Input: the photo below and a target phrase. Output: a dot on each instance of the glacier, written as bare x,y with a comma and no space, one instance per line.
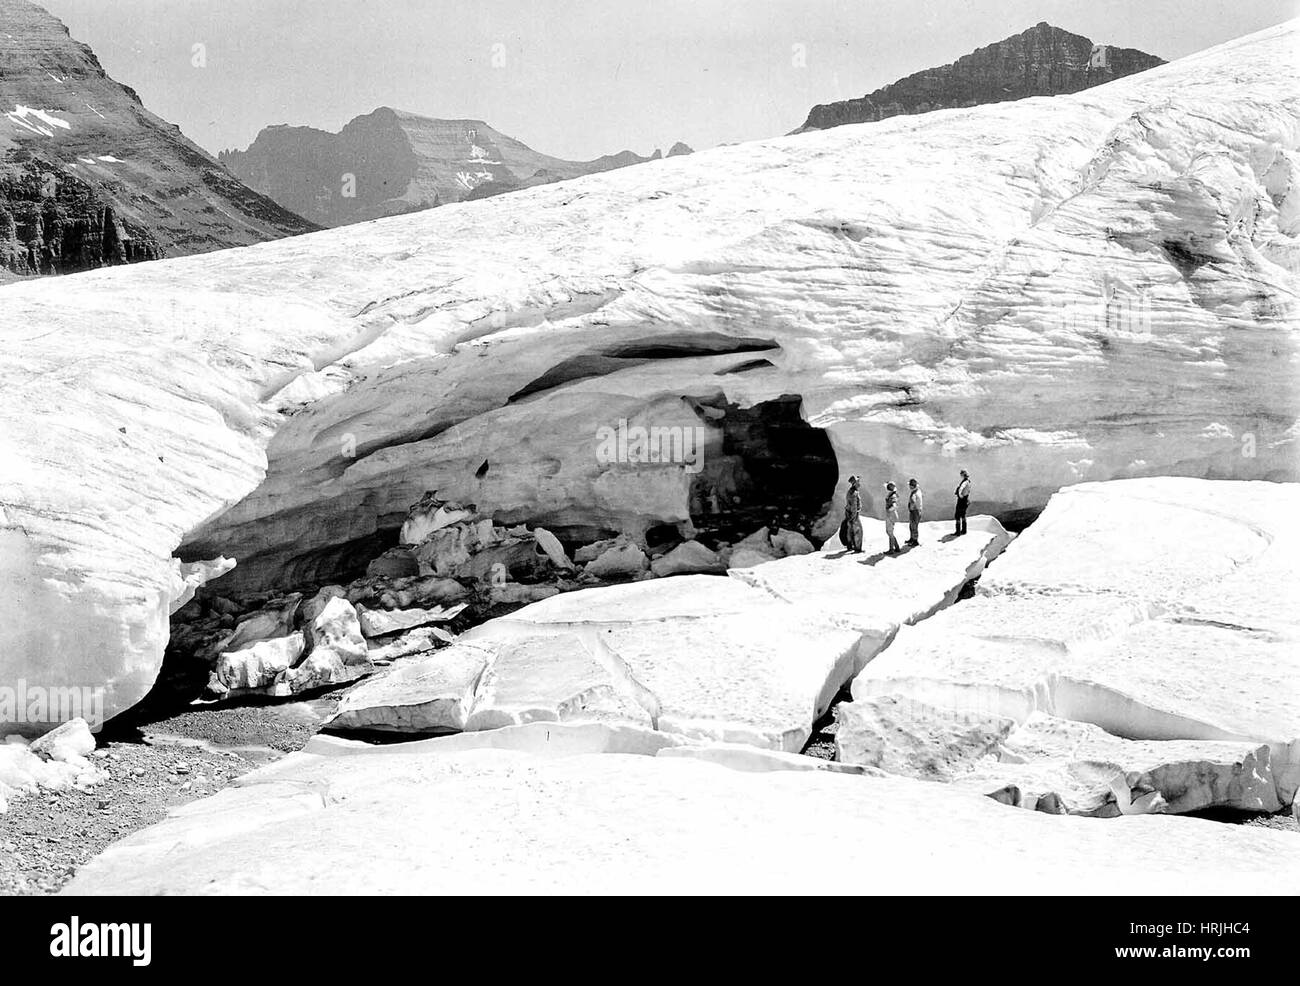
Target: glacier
1145,628
1085,287
551,808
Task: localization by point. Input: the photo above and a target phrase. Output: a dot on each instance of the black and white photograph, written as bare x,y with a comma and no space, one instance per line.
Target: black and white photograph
585,448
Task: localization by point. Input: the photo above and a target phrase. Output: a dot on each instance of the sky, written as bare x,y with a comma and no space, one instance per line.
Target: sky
580,78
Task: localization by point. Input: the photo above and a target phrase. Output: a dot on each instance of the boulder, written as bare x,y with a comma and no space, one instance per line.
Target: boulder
380,623
552,548
23,771
69,742
389,649
517,556
419,592
395,563
313,607
590,552
446,551
261,666
688,558
225,607
791,543
431,693
513,593
753,550
431,515
1080,769
336,625
265,625
429,591
621,561
337,650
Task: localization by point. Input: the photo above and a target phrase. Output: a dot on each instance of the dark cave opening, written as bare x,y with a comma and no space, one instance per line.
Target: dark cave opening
768,468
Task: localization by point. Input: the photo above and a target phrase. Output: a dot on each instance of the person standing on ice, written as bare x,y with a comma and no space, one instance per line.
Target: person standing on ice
962,492
851,527
891,516
915,502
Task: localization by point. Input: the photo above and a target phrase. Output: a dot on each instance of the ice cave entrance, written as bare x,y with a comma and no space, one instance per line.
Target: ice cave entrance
764,466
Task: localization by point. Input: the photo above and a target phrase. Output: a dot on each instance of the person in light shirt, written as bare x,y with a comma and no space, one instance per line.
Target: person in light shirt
891,517
915,504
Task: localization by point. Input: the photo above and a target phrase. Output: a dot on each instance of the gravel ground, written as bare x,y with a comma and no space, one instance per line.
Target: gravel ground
1282,821
283,726
153,767
44,837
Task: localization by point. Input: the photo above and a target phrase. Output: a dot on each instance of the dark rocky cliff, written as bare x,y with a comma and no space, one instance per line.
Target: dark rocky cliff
1043,61
90,178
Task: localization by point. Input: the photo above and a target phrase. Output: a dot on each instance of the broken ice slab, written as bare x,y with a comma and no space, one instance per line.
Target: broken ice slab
874,593
1087,771
1120,608
752,659
559,808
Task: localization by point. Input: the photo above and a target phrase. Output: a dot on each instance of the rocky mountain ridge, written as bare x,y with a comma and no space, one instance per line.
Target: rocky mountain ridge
1042,61
390,162
90,178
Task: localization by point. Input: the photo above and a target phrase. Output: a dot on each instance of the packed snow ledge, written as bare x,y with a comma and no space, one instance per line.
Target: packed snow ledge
1141,638
595,808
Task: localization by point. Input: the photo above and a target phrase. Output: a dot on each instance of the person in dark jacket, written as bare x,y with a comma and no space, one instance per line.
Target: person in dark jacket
891,516
915,503
962,492
851,527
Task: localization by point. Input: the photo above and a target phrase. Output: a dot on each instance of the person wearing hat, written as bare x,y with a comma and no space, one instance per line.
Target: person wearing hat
962,492
851,527
915,502
891,516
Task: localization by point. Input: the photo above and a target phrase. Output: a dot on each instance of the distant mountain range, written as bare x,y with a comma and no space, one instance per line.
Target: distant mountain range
390,162
1043,61
89,177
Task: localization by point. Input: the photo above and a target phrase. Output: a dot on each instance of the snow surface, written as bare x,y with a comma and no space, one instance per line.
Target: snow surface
24,116
1038,291
556,814
1156,609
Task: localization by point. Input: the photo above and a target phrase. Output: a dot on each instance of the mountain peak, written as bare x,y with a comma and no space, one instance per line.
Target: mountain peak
89,177
391,161
1044,60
